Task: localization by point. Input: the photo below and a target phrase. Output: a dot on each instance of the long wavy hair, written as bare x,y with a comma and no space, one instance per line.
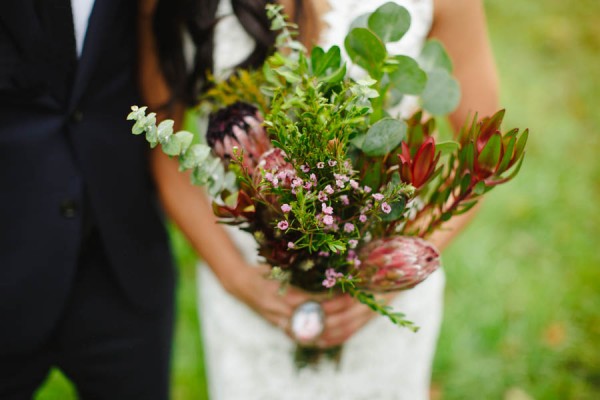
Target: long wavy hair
175,19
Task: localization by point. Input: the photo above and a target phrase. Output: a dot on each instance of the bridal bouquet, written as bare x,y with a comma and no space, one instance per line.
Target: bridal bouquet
338,190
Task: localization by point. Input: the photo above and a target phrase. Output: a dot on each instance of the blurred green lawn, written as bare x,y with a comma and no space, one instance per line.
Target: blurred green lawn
522,314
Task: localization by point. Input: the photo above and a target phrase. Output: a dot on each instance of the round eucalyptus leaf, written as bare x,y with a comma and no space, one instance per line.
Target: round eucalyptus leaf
434,56
365,49
442,92
407,77
362,21
383,136
390,22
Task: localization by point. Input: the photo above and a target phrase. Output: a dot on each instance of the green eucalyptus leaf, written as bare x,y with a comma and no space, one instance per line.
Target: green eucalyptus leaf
196,155
362,21
383,136
366,50
152,136
434,56
407,77
390,22
164,130
442,92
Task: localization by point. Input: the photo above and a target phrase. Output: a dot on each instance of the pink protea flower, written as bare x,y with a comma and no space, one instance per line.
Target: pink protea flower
238,125
396,263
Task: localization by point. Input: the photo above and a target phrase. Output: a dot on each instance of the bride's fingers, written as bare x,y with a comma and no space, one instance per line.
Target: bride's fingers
337,304
339,327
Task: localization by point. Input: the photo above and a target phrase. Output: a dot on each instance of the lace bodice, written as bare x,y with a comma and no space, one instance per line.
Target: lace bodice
233,44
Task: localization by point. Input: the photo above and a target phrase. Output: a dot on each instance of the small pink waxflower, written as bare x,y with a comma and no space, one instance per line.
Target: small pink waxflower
296,182
378,196
323,253
386,208
353,184
307,185
332,163
329,189
352,243
291,245
339,183
313,178
320,165
341,177
328,220
367,189
331,277
344,200
362,218
281,175
326,209
348,227
283,225
305,168
322,196
286,208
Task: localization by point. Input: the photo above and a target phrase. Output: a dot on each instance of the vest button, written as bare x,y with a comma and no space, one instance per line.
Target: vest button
69,209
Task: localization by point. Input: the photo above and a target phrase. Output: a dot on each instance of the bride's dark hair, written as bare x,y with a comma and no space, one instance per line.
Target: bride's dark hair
197,18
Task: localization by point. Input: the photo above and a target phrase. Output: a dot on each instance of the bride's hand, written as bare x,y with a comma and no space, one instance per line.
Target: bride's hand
264,296
344,316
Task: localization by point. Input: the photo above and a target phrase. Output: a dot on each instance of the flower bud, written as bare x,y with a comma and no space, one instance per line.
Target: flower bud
396,263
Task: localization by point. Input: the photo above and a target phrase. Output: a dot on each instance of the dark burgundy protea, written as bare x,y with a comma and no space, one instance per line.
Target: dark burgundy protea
238,125
396,263
419,169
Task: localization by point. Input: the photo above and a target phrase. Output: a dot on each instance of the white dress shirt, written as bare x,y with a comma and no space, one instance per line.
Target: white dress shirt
82,9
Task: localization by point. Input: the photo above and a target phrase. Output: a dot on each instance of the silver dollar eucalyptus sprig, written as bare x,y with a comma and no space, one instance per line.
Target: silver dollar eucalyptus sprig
206,170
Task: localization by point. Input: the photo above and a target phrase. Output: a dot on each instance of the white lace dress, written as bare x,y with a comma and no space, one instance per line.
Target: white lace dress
249,359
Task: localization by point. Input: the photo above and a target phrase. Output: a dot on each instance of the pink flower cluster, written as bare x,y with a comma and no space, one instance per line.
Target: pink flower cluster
331,277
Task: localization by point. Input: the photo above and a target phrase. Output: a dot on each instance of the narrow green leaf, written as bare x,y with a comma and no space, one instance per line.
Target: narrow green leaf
490,155
447,147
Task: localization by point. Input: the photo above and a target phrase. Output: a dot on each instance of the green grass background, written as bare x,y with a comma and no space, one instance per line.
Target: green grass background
522,316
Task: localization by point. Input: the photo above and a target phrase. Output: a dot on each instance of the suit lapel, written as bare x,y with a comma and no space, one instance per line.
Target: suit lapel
102,15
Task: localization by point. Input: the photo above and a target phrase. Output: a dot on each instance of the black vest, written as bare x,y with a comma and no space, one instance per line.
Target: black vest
68,160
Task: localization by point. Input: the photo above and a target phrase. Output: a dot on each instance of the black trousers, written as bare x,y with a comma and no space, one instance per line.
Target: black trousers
107,347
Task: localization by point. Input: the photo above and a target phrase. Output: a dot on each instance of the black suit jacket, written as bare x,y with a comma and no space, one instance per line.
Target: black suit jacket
66,152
